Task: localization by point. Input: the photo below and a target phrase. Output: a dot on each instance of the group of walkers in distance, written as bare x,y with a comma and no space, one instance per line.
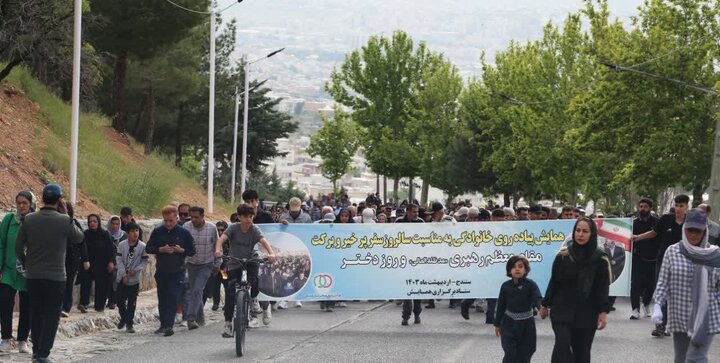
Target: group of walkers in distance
44,253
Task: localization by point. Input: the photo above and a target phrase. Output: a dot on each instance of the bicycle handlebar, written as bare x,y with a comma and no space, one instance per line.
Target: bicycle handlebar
246,260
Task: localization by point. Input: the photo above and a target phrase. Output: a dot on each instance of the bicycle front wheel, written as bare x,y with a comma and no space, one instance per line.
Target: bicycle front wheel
242,314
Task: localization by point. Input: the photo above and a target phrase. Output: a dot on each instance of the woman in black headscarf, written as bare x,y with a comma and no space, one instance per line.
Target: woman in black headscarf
102,262
577,295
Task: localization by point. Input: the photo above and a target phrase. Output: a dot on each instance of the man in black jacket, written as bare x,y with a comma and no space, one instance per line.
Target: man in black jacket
414,306
669,231
170,243
644,257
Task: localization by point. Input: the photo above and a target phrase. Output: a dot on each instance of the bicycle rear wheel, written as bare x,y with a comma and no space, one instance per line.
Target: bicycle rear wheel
242,311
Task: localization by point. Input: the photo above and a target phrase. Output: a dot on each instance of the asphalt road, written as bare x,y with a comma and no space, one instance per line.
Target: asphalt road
371,332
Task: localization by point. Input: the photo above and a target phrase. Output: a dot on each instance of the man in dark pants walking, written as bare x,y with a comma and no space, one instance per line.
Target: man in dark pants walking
414,306
669,231
170,243
41,244
644,257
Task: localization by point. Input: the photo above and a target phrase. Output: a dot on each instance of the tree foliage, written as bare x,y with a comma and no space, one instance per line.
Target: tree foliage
336,142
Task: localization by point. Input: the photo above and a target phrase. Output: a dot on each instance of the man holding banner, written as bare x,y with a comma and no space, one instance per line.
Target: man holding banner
411,216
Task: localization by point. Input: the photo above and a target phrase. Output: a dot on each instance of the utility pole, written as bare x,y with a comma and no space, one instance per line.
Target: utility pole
75,127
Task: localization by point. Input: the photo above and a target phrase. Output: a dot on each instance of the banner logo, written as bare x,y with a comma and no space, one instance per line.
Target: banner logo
323,281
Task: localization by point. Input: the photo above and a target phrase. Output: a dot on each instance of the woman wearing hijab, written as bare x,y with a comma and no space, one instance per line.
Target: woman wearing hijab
577,295
101,255
12,278
118,235
344,216
689,282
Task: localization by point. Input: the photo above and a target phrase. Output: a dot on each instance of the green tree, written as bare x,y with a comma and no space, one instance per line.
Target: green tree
380,83
336,142
655,134
137,30
435,125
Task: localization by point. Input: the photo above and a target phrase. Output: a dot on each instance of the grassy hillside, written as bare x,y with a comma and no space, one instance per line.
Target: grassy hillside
111,175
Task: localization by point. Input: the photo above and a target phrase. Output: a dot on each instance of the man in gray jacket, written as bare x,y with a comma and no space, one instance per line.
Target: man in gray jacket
131,261
41,243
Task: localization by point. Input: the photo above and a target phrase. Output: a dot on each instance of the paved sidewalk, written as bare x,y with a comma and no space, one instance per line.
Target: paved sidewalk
85,335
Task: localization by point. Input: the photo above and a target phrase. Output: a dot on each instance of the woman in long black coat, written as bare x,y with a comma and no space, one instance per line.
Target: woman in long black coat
101,255
577,295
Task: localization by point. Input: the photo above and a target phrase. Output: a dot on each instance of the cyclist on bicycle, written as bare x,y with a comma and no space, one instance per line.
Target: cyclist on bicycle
242,238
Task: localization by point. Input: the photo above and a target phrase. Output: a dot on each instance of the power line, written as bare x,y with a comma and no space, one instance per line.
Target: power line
186,9
229,6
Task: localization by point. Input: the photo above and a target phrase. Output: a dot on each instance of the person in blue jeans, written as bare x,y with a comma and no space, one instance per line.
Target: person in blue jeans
170,243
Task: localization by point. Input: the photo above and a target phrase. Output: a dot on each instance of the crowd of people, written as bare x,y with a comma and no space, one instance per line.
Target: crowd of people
44,253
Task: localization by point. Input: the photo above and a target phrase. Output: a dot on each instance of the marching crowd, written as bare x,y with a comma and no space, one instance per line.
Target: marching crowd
44,253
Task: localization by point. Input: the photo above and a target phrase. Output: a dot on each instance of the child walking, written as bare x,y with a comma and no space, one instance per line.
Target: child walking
131,261
514,321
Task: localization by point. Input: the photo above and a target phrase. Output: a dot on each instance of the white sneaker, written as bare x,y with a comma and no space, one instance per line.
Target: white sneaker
298,304
228,331
24,347
267,316
5,346
256,309
646,311
635,314
341,304
253,323
282,304
183,324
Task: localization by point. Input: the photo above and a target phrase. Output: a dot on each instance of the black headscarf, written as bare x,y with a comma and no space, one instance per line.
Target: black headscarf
586,257
346,211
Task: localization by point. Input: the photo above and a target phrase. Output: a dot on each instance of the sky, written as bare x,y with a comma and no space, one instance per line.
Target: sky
318,33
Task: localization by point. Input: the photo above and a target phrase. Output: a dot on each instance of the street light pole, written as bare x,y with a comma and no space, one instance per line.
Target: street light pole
246,69
245,127
234,154
77,33
211,115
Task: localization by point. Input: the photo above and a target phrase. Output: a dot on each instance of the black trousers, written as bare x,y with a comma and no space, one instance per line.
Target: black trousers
490,312
572,345
45,304
127,301
103,284
518,339
169,286
253,271
111,289
663,307
7,304
642,282
85,287
411,306
71,271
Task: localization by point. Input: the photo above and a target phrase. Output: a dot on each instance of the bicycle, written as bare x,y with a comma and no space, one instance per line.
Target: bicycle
241,315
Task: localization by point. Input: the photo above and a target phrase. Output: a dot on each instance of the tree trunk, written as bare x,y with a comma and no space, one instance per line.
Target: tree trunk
424,193
140,117
377,183
384,189
120,75
9,67
516,198
506,199
151,123
178,135
396,186
411,189
698,191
